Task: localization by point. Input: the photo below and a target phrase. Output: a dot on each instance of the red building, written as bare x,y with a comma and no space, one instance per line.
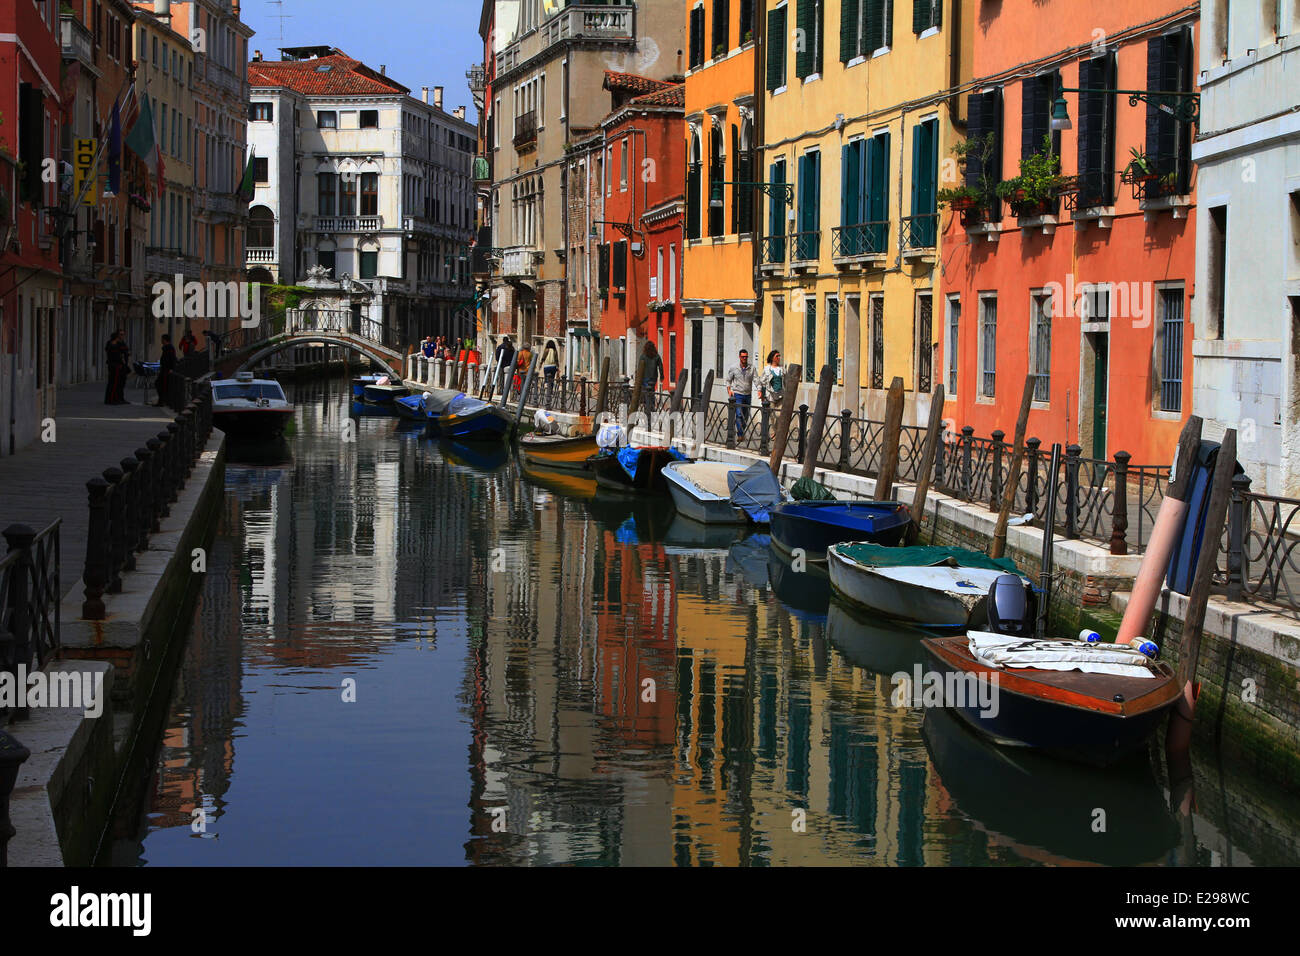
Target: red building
639,257
30,57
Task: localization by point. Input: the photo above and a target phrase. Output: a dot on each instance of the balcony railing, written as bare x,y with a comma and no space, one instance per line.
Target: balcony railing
260,254
78,42
773,250
162,261
520,261
864,239
804,246
585,22
525,129
349,223
920,232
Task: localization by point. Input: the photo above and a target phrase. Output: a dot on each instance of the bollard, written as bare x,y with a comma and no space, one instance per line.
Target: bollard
162,474
1031,495
764,425
967,442
995,475
846,435
1072,492
95,572
130,506
144,479
12,756
803,431
1238,519
116,531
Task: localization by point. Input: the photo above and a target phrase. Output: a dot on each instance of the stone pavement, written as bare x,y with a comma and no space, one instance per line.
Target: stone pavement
45,481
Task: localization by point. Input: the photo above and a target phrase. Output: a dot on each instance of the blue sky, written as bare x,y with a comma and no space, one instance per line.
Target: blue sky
422,42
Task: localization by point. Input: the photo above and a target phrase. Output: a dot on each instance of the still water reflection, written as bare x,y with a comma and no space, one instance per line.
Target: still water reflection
407,652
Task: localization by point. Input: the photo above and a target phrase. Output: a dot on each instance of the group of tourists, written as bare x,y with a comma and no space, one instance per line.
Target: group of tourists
516,363
118,354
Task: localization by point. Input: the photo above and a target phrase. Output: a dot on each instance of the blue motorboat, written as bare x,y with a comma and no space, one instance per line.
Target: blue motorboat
361,381
813,526
472,418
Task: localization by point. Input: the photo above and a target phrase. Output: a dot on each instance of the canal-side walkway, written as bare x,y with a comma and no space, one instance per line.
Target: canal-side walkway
47,480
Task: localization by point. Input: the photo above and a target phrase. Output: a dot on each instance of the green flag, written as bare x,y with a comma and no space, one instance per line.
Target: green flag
245,191
140,140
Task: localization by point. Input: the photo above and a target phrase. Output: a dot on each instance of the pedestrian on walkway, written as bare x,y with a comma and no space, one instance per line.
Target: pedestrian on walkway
522,363
117,353
550,364
188,343
166,362
505,361
654,371
771,382
740,389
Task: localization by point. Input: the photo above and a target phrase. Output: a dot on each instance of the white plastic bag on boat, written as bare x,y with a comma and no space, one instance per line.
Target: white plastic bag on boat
611,435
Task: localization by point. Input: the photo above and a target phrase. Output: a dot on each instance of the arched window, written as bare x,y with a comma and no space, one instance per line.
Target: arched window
693,189
717,174
261,228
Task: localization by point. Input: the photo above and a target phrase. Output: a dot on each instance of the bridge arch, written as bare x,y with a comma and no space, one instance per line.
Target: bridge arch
376,353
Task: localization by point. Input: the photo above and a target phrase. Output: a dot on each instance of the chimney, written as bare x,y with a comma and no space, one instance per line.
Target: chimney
424,93
383,69
437,96
257,56
459,112
162,8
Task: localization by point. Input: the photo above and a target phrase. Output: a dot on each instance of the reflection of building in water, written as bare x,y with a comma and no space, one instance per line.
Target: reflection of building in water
566,739
772,720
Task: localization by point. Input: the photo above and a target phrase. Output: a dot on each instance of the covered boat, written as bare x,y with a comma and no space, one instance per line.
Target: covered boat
634,469
1093,703
700,491
472,418
384,390
248,408
813,526
361,381
932,586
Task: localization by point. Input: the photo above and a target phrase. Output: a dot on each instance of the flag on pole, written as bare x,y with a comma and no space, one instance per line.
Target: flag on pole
115,151
246,185
142,141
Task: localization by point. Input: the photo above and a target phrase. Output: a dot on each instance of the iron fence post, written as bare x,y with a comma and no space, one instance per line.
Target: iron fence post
995,478
162,474
733,407
1072,491
19,537
968,445
1238,516
145,501
803,432
846,435
764,422
1119,515
1031,489
130,508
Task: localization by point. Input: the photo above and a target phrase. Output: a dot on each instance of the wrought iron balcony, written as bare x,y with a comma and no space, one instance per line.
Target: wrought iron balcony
773,250
920,232
860,241
804,246
525,129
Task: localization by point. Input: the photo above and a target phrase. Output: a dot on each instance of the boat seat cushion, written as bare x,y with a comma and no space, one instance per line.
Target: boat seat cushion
1000,650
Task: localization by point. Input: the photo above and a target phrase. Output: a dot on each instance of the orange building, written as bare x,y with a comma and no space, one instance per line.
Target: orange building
1079,275
723,128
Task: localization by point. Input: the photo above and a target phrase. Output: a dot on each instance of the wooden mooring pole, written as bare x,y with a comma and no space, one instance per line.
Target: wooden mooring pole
1013,471
891,437
823,405
793,375
928,452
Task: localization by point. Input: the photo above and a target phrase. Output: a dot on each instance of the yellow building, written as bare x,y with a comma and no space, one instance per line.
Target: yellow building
858,114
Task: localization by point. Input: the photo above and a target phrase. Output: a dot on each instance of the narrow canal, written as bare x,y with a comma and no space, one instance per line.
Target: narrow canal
405,652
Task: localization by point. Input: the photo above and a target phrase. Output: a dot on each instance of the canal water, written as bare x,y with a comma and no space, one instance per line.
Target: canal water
408,652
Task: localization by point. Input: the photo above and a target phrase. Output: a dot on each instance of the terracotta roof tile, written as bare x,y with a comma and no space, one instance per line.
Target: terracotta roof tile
336,75
632,83
671,96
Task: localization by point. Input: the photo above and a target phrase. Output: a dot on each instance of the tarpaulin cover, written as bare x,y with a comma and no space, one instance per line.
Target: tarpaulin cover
810,489
630,457
464,405
755,490
879,556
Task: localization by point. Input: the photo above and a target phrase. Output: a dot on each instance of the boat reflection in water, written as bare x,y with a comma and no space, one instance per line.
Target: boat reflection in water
686,536
481,456
878,646
806,593
1047,810
568,484
265,451
748,558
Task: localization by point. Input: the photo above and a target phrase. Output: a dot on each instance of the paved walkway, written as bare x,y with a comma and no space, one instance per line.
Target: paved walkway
45,481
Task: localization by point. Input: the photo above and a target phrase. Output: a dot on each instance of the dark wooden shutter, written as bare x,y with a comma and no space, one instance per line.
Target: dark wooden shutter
848,29
920,15
1186,53
875,26
31,140
776,40
1162,74
602,266
1096,131
805,39
978,125
746,20
620,264
721,25
693,201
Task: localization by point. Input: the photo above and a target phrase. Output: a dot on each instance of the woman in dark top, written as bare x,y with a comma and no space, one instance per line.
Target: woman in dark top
117,352
166,362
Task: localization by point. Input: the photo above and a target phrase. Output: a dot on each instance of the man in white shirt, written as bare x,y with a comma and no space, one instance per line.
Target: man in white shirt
740,389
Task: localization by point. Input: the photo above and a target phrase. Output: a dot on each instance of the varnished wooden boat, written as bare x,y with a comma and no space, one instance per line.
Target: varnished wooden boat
648,479
558,452
1086,717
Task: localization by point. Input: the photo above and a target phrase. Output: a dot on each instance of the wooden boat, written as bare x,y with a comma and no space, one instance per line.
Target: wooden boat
700,492
979,776
1094,718
426,406
934,587
813,526
558,452
645,479
473,419
360,382
250,409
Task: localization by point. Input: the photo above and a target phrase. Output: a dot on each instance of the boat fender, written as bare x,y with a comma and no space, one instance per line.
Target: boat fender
1149,648
1090,637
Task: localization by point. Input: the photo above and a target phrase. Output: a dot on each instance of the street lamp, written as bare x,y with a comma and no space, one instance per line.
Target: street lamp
781,191
1183,107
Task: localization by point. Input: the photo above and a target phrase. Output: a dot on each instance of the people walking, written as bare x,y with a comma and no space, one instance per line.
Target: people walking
740,389
505,361
771,383
654,371
166,363
522,363
550,364
188,343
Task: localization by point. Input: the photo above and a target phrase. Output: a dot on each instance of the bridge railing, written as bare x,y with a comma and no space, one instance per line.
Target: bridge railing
343,322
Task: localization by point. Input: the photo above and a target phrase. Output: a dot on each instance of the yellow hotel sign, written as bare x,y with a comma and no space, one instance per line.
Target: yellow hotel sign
83,164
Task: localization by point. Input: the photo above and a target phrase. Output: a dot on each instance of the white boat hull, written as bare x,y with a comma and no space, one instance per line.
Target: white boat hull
939,596
698,504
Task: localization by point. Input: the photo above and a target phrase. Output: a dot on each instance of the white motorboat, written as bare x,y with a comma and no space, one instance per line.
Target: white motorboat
700,491
250,408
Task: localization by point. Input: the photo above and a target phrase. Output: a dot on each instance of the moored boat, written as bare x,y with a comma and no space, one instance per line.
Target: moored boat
384,391
934,587
473,419
700,492
813,526
249,408
360,382
558,452
634,469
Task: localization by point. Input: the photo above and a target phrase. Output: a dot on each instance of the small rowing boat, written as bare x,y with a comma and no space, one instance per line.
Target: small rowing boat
813,526
634,469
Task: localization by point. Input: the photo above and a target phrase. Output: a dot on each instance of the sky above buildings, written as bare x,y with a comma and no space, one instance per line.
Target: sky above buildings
422,42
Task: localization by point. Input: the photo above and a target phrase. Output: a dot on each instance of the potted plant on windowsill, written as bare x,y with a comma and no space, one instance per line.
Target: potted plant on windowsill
974,202
1035,191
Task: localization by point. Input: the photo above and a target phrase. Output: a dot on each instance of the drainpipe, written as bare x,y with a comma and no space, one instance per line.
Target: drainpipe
760,124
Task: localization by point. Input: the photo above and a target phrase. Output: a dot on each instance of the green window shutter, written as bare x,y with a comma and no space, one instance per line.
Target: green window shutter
815,170
802,169
820,14
805,38
846,183
848,29
875,26
776,41
936,13
810,337
918,135
920,15
932,177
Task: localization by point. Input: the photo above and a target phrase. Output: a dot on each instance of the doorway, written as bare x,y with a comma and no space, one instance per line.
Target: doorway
697,356
1094,393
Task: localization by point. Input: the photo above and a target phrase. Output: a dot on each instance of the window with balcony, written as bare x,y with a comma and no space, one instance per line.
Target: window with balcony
984,166
810,27
370,194
806,240
261,228
774,243
922,226
864,195
1168,141
1037,94
348,195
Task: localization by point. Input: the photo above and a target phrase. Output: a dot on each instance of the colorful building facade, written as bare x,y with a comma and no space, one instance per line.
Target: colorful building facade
857,113
1078,274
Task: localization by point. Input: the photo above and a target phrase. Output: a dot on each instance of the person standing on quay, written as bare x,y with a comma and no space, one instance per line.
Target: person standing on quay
654,371
505,361
740,389
188,343
166,362
771,382
550,364
117,352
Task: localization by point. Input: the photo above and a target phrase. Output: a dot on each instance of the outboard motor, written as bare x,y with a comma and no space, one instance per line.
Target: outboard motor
1011,607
